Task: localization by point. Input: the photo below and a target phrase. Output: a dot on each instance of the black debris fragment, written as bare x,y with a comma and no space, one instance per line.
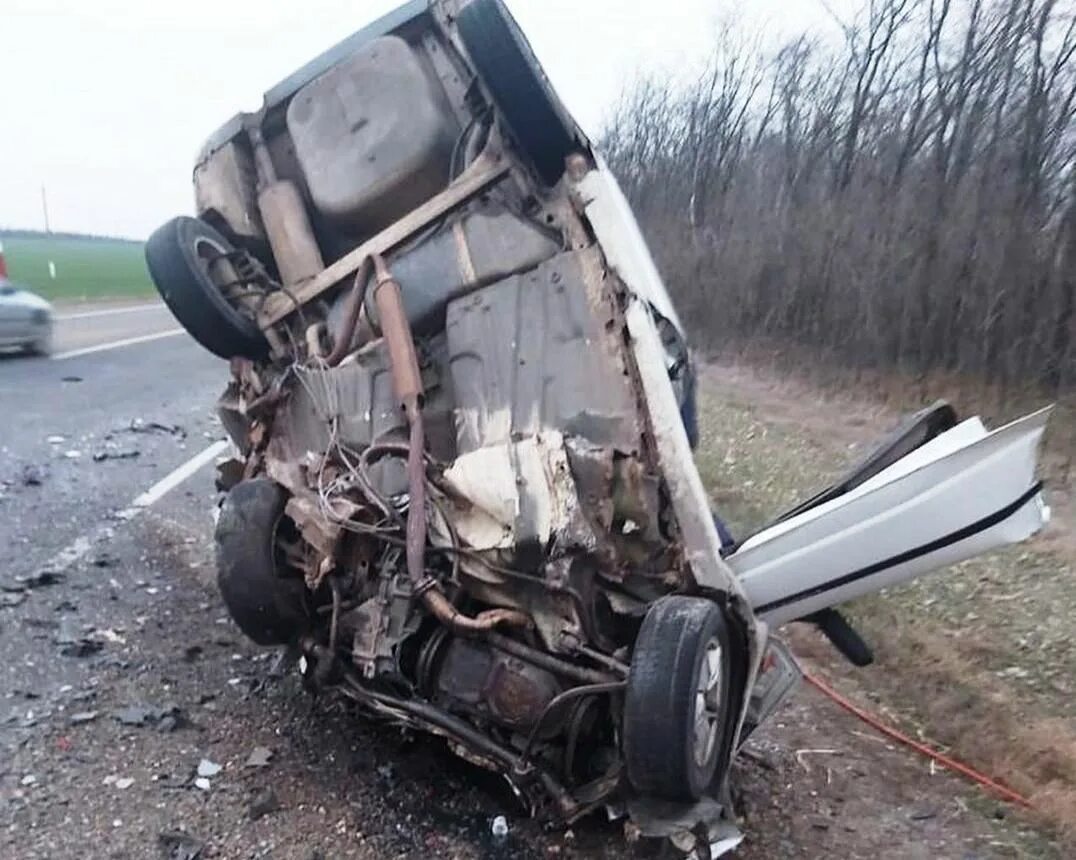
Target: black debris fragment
173,721
70,379
137,425
32,476
127,454
177,845
265,802
84,646
40,579
41,623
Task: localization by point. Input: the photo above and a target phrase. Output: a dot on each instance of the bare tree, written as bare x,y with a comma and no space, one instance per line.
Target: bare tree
905,201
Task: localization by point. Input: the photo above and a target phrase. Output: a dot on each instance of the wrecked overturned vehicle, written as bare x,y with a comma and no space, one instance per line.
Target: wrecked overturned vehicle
463,405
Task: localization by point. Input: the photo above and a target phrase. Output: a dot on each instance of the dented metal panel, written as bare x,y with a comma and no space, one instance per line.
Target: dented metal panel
536,352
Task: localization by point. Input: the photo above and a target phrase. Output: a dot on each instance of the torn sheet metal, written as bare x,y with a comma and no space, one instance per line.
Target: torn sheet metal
513,493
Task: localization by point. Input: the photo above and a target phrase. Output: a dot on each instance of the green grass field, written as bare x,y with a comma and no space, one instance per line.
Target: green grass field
86,267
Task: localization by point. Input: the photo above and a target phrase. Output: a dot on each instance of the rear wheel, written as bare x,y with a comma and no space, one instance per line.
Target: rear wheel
676,707
511,72
189,262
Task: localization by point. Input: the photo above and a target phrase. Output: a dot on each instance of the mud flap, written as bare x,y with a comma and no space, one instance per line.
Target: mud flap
965,492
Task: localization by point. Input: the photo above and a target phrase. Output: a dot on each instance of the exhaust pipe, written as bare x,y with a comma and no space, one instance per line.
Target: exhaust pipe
407,386
283,212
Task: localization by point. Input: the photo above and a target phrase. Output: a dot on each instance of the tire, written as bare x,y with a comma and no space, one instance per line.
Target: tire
42,345
664,755
177,255
267,607
511,73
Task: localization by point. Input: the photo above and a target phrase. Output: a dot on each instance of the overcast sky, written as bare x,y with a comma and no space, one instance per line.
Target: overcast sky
105,102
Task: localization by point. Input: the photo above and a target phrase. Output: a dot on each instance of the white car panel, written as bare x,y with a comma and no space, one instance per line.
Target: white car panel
966,492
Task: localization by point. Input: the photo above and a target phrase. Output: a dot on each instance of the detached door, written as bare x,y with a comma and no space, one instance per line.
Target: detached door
963,493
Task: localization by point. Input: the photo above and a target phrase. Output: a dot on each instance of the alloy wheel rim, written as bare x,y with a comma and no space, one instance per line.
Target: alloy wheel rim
706,724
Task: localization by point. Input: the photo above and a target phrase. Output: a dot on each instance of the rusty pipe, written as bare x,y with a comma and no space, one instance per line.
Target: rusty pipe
442,609
439,606
416,507
351,317
396,329
284,216
407,386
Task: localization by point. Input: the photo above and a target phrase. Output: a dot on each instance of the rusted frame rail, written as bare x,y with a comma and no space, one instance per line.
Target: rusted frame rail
485,171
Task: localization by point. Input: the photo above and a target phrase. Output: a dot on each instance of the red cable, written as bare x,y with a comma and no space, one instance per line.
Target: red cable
952,764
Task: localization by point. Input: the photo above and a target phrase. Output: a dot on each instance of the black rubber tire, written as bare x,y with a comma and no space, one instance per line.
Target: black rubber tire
186,287
267,607
511,72
659,703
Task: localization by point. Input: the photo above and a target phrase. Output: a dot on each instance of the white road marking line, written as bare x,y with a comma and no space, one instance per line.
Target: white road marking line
71,554
81,546
105,312
116,344
172,480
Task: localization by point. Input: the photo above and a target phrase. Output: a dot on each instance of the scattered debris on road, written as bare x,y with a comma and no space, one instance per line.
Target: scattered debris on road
32,475
127,454
138,425
30,581
145,715
177,845
259,757
120,782
83,646
265,802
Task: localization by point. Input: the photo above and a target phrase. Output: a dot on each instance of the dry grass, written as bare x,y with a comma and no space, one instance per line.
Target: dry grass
980,660
947,698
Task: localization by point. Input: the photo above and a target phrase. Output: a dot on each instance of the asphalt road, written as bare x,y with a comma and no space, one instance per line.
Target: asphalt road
108,609
113,403
120,672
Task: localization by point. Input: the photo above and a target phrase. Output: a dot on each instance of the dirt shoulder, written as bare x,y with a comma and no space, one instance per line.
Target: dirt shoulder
980,660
